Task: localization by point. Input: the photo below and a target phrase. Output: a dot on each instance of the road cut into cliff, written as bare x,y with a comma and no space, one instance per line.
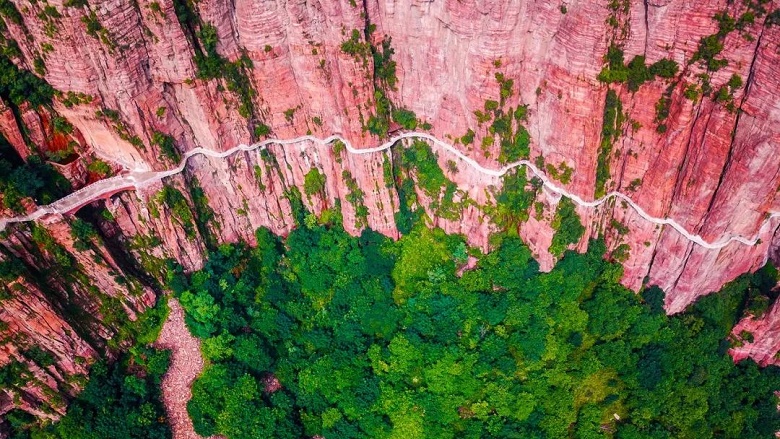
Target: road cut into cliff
138,178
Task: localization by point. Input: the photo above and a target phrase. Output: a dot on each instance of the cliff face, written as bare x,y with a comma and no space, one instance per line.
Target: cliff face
137,84
62,308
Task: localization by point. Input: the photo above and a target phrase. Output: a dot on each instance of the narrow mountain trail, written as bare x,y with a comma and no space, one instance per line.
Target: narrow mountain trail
138,178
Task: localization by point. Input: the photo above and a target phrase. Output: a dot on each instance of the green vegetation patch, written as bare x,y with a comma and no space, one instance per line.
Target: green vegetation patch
314,182
507,125
567,225
174,199
406,118
773,19
612,127
356,198
367,337
203,214
99,167
18,86
9,11
708,56
34,178
167,146
711,46
420,158
419,163
384,78
562,173
514,200
82,233
636,72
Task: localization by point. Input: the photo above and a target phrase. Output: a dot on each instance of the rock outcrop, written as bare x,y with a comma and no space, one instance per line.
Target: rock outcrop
139,85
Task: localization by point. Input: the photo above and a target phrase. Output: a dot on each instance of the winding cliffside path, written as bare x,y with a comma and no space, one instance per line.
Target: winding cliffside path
138,178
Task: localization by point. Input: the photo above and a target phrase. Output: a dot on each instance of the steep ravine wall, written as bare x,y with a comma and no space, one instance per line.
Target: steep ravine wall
715,168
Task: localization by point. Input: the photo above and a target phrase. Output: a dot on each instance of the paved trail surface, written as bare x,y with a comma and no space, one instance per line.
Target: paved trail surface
138,178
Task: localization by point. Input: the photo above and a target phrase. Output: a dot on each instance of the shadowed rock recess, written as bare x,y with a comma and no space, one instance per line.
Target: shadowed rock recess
674,105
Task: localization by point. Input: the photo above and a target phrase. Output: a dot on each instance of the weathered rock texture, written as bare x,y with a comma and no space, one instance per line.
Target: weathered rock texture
61,309
764,349
715,169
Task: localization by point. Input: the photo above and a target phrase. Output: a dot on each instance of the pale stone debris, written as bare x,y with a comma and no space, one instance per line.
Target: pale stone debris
186,365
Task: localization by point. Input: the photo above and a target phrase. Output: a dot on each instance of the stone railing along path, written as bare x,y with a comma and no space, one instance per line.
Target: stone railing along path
139,178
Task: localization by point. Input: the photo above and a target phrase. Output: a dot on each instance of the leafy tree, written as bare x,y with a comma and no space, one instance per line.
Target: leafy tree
314,182
567,225
34,179
83,233
405,118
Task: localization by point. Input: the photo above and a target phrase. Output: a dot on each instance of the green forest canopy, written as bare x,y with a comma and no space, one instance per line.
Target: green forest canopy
374,338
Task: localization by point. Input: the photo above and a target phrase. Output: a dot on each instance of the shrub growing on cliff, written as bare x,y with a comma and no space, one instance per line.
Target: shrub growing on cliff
355,46
82,233
735,82
468,138
75,3
422,160
567,225
518,148
773,18
14,374
167,146
314,182
384,66
262,130
34,179
405,118
665,68
99,167
710,47
611,129
377,125
636,72
211,65
513,202
174,199
92,24
9,11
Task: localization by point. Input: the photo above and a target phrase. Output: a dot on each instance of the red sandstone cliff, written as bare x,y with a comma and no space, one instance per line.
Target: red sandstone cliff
715,168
